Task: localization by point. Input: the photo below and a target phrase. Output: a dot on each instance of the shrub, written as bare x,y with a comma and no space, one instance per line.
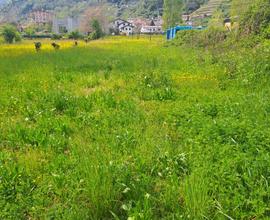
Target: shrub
56,37
186,37
97,30
256,19
10,34
208,37
75,35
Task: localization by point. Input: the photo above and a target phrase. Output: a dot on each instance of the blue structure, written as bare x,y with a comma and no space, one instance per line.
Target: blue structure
171,33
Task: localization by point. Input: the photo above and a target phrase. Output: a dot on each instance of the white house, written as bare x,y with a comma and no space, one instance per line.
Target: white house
126,29
117,22
123,27
151,30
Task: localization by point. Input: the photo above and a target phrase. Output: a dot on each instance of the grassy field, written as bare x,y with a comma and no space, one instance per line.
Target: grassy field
133,129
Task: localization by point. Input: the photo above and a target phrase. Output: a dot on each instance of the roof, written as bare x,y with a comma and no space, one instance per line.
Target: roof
128,25
120,19
152,23
124,22
138,21
148,26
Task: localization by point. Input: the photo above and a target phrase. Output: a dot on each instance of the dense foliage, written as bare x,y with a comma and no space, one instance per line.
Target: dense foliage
132,8
10,34
96,30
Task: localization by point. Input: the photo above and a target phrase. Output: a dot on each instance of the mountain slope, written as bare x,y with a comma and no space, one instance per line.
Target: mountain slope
20,8
17,10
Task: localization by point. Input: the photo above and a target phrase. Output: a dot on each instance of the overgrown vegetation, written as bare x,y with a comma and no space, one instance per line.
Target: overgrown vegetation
96,30
10,34
127,128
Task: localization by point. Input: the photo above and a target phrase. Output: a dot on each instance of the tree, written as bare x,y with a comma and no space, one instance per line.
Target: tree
10,34
75,35
172,12
97,30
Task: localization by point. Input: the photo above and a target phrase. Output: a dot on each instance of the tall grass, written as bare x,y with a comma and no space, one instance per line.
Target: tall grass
132,129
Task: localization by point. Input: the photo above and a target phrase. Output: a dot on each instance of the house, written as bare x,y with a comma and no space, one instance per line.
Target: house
138,23
65,25
40,17
151,29
117,22
126,29
158,21
185,17
122,27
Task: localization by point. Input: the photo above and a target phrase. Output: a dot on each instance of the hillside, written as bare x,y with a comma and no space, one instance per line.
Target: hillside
202,14
17,10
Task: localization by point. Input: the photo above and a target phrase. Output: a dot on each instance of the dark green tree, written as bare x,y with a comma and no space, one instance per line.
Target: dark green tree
96,30
10,34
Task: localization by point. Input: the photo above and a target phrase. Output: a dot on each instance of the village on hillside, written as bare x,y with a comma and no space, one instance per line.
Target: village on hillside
44,23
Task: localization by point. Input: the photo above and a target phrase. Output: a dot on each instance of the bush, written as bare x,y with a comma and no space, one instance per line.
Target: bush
97,30
10,34
75,35
186,37
56,37
204,38
266,32
256,19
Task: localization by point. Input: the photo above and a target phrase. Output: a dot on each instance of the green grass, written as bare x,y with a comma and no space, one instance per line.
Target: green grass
133,129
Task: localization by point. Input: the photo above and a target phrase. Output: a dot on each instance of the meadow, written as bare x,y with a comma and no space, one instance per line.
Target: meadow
127,128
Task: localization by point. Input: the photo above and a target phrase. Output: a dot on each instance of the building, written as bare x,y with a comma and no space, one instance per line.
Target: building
151,29
40,17
158,21
123,27
185,17
65,25
138,23
117,22
126,29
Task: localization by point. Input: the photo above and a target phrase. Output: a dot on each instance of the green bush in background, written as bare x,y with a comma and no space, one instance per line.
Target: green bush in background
10,34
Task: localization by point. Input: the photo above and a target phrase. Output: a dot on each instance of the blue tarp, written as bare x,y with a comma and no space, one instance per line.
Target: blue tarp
171,33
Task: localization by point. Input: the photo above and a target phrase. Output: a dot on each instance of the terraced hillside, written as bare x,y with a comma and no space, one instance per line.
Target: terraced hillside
208,9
